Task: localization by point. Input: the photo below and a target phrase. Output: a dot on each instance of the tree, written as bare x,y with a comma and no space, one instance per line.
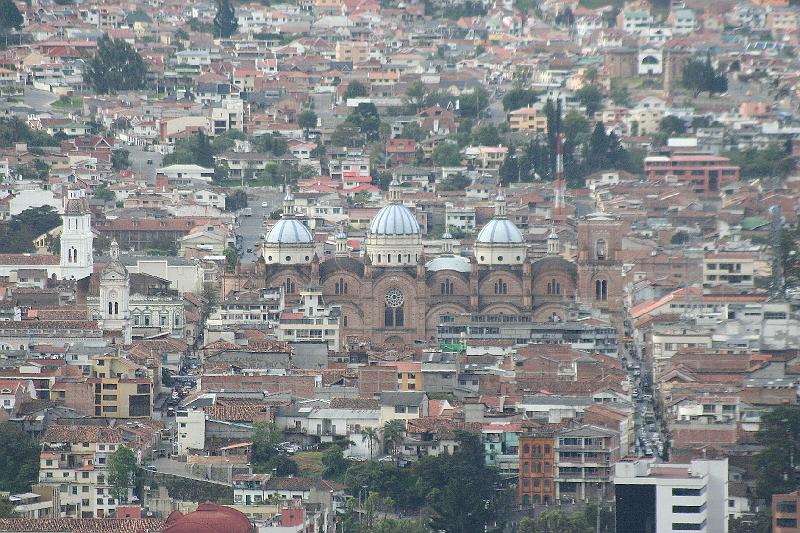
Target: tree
102,192
10,17
17,235
355,89
370,436
620,94
15,130
446,155
700,76
334,465
19,462
398,525
124,473
486,135
518,98
236,200
393,432
671,125
774,161
279,464
779,433
6,508
266,437
307,120
196,150
679,237
472,104
225,23
116,66
590,97
412,130
415,96
455,182
120,159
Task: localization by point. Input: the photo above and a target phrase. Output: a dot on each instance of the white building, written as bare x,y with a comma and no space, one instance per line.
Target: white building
191,433
664,497
312,320
185,175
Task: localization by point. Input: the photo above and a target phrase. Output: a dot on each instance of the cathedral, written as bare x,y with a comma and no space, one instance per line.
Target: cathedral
394,294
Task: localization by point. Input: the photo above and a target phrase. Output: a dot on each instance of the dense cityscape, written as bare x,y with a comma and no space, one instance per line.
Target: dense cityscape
399,266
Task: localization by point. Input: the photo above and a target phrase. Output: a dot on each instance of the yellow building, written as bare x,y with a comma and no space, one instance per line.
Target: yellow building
531,119
122,389
355,51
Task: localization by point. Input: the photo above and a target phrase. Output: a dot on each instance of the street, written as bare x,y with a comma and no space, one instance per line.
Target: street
250,228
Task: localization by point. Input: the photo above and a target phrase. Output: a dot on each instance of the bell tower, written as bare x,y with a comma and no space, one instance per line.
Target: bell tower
115,293
600,281
77,259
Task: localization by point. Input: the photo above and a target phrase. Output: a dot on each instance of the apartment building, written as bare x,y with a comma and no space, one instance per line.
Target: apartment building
729,268
667,497
353,51
529,119
785,518
122,389
584,457
311,320
537,484
501,447
705,173
74,463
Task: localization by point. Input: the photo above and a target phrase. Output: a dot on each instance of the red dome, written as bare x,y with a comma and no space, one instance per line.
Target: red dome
208,518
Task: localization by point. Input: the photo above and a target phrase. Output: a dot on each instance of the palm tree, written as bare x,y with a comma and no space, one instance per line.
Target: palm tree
393,432
370,436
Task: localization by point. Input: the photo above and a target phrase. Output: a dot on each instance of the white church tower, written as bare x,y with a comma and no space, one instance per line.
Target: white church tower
77,260
115,294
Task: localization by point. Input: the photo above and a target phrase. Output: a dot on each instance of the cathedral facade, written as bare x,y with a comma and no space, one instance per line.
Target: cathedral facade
392,293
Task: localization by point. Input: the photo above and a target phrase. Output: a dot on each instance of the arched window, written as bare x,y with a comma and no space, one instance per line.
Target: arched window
526,467
110,308
553,287
341,286
399,258
546,467
344,321
537,467
526,449
537,499
526,499
116,308
601,289
447,286
500,287
288,286
600,249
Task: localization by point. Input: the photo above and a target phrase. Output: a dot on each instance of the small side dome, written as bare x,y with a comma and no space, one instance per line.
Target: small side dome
500,231
289,231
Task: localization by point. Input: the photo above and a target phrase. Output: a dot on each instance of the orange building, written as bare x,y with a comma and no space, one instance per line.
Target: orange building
536,468
785,517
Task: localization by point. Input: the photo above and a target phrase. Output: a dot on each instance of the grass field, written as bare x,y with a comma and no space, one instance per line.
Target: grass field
310,463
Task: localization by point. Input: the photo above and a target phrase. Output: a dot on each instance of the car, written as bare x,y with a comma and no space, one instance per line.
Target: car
152,468
264,204
170,412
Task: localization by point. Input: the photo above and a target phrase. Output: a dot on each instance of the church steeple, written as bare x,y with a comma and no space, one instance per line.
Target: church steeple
394,192
341,243
288,204
500,205
77,260
559,185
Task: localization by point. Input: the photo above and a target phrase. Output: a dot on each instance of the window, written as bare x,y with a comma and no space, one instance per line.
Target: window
601,289
600,249
500,287
341,286
446,287
288,286
686,492
680,526
786,507
786,522
553,287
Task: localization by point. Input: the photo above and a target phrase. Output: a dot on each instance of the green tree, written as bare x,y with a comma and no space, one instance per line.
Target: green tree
19,462
227,140
266,437
679,237
455,182
518,98
116,66
412,130
124,473
225,23
590,97
671,125
486,135
774,161
370,436
700,76
415,96
307,120
355,89
399,525
446,155
102,192
231,258
472,104
196,150
6,508
120,159
393,432
17,235
779,433
236,200
10,17
620,94
576,128
279,464
15,130
334,465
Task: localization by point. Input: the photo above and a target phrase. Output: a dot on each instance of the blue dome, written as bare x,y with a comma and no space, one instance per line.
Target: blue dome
289,231
500,231
394,219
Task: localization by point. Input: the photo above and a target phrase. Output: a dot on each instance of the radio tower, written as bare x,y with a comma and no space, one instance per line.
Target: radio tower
559,184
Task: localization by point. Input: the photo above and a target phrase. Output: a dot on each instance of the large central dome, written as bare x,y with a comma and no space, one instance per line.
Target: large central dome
289,231
500,231
394,219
